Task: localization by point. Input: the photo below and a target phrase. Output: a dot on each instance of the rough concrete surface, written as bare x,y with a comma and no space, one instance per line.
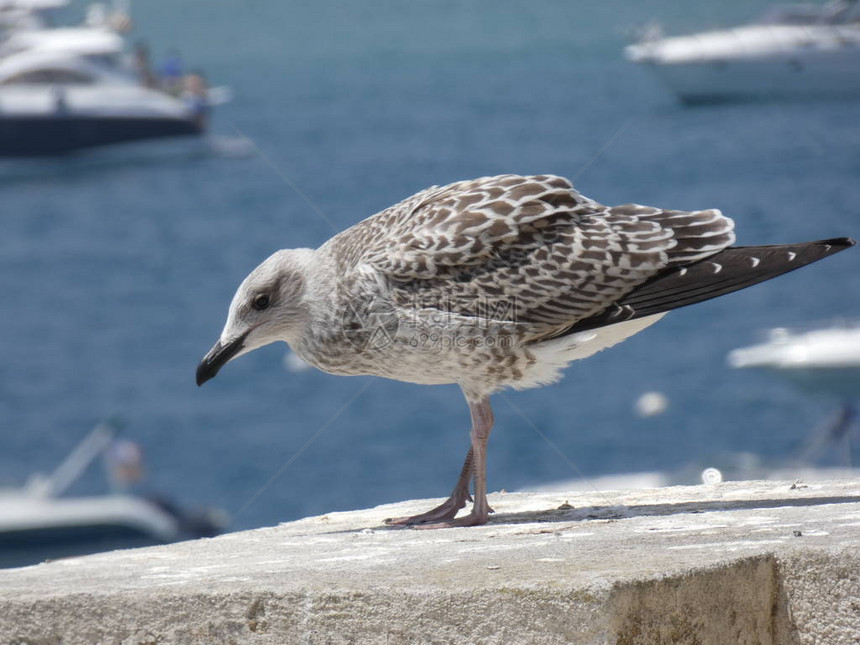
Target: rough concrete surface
740,562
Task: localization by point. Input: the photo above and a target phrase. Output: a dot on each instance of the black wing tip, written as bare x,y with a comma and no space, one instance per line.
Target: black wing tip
834,245
633,305
843,242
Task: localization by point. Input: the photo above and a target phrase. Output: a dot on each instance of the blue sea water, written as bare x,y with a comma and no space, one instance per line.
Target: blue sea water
116,268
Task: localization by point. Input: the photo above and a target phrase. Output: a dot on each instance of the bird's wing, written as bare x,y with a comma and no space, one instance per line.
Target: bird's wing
465,223
729,270
533,244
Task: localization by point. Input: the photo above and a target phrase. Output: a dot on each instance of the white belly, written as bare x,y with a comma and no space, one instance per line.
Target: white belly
554,355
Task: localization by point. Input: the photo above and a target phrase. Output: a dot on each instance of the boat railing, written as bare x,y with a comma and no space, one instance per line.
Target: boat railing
75,464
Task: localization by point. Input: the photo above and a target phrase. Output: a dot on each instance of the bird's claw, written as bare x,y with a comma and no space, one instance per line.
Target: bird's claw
472,519
447,510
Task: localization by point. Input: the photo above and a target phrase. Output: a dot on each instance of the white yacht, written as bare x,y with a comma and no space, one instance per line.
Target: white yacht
822,360
793,51
38,521
68,89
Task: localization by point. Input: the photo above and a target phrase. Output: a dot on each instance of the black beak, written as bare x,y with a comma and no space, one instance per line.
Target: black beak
218,357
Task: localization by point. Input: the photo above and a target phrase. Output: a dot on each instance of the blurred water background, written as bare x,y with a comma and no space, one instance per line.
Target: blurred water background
116,267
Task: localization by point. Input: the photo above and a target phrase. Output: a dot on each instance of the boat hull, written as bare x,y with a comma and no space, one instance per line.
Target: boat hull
45,136
35,527
779,77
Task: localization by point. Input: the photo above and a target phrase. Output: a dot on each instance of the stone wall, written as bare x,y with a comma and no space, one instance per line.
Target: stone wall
740,562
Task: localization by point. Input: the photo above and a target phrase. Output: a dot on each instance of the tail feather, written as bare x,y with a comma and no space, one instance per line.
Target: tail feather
729,270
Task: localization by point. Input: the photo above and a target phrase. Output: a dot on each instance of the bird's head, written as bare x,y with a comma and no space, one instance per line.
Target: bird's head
268,306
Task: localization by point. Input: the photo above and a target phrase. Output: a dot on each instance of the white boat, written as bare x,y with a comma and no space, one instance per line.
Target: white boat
68,89
821,360
37,522
52,103
793,51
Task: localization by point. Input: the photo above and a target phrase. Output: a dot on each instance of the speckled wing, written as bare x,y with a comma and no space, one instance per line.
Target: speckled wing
734,268
478,247
465,223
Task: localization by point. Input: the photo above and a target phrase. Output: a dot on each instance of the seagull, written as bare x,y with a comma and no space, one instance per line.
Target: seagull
490,283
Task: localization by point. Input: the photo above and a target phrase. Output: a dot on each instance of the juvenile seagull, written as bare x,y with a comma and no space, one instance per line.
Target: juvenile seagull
491,283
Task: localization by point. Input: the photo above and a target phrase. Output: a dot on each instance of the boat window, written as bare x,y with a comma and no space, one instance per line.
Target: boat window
49,77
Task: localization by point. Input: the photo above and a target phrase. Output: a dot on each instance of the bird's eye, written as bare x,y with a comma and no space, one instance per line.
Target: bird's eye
261,302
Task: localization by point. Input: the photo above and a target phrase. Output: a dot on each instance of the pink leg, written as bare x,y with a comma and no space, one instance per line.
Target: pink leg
447,509
476,465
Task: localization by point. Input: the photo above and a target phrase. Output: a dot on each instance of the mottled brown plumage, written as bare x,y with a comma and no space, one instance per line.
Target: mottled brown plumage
562,256
490,283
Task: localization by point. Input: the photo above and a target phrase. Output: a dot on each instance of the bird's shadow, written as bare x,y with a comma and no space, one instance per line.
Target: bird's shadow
569,513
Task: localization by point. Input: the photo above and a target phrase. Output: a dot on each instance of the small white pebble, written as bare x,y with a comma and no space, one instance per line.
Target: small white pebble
711,477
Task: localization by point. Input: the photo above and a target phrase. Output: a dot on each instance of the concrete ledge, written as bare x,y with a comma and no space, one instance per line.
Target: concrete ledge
740,562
